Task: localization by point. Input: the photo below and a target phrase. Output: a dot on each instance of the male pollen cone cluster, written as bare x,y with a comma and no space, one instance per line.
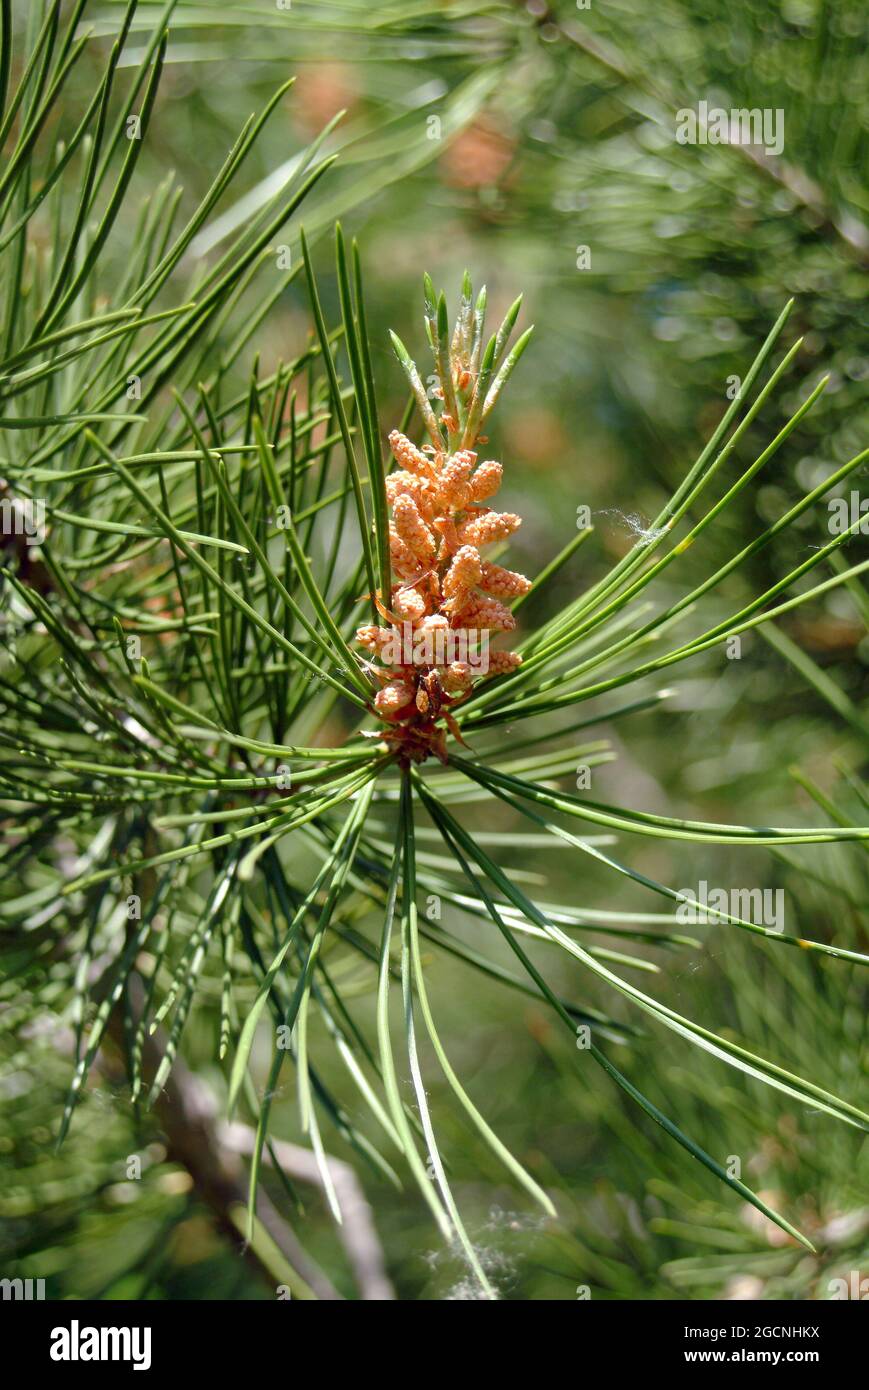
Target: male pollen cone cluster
440,525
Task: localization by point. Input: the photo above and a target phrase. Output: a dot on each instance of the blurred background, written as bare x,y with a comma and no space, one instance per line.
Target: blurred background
535,146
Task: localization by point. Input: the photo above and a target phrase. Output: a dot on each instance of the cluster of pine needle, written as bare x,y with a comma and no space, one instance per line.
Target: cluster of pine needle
211,796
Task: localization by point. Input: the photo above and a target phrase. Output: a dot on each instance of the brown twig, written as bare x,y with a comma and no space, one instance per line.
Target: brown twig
357,1232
